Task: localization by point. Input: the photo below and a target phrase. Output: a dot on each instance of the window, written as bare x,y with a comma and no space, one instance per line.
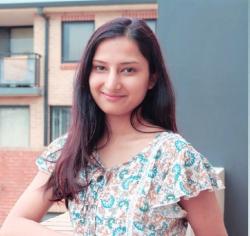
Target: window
152,24
16,39
4,40
14,126
21,40
17,61
75,36
60,120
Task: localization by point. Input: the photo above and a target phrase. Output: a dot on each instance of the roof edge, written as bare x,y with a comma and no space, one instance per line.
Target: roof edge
71,3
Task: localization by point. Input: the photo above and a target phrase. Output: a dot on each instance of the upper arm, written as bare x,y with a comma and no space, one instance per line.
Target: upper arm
34,202
204,214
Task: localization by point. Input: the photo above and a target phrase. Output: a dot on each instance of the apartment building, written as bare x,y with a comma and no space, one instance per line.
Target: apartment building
40,46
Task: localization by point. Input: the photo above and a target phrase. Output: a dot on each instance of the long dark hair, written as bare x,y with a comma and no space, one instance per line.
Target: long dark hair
88,124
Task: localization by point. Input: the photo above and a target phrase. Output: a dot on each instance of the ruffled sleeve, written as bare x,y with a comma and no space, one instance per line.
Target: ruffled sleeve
47,160
185,173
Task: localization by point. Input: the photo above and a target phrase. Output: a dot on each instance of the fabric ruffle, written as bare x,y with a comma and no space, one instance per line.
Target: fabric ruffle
188,174
47,160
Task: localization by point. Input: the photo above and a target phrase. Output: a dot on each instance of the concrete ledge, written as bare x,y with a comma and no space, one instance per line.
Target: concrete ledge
21,92
59,223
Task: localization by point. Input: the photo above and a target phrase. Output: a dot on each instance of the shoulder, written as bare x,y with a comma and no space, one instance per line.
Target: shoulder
179,158
172,142
55,146
177,152
47,160
182,170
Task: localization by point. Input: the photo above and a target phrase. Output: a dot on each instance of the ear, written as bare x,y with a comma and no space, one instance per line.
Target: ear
152,81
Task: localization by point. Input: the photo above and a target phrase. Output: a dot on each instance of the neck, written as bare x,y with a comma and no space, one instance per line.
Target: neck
120,126
121,129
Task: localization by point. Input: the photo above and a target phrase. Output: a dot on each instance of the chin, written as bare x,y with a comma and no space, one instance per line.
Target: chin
116,112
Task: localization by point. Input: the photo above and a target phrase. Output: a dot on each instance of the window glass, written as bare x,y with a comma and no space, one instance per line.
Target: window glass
60,119
21,40
75,37
4,40
14,126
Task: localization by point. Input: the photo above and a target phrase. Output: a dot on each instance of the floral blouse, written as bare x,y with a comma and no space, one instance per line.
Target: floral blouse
140,196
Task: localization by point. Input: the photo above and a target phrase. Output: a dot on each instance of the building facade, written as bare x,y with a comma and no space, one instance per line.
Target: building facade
40,47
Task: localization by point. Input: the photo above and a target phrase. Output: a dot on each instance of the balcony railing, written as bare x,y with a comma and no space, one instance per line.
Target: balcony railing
19,70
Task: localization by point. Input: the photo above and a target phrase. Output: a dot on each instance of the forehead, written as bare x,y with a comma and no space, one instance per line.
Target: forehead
118,49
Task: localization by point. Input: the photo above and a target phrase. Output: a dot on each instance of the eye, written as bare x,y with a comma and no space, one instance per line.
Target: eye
99,68
129,70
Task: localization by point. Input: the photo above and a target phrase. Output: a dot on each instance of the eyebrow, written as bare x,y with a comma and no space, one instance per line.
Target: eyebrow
122,63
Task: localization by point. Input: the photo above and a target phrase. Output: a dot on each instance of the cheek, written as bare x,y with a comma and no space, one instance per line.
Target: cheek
138,92
141,87
93,84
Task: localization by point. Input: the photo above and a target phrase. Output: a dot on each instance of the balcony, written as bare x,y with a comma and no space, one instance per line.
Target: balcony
19,75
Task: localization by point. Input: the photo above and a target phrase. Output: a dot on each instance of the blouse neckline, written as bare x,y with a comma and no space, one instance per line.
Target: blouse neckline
132,159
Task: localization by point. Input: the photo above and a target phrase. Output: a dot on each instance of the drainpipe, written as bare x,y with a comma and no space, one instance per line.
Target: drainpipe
46,58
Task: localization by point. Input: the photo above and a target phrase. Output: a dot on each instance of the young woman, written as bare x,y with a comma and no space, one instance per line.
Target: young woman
122,169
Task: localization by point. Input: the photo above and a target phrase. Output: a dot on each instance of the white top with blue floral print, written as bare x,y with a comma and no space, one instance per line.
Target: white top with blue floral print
139,197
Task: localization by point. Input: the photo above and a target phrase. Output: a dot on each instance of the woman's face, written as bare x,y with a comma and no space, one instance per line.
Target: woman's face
119,79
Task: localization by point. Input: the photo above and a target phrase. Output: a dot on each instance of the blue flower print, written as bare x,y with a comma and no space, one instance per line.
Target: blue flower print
129,180
119,231
179,144
109,203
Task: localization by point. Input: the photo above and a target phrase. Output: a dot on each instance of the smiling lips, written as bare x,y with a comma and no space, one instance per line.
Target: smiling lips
112,97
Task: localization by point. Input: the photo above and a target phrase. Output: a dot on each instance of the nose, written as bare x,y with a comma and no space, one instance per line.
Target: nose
112,81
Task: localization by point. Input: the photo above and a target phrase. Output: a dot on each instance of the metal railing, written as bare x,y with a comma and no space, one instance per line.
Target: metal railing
19,70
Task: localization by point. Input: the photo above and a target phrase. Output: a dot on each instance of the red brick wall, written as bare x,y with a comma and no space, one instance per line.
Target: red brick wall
17,168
